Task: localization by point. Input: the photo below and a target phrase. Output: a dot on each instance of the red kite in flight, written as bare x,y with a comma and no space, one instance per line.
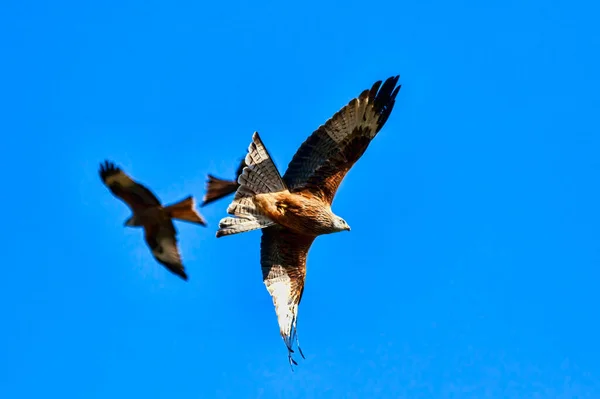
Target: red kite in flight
218,188
160,233
294,209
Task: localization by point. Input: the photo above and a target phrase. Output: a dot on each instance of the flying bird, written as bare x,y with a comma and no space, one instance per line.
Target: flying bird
294,209
147,212
218,188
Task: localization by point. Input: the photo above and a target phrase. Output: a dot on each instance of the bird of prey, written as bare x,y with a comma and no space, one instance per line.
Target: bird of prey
294,209
147,212
218,188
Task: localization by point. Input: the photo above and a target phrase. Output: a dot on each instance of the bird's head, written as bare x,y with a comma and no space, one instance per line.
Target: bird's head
340,224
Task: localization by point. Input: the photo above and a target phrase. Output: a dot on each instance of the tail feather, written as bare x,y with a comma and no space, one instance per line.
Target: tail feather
218,188
185,210
229,225
259,176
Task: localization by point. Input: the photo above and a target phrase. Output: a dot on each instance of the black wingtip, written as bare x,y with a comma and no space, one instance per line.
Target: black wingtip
386,92
384,98
182,274
107,169
176,269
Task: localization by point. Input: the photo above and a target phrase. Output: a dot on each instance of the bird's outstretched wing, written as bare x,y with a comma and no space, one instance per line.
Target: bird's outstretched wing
161,237
125,188
322,161
283,261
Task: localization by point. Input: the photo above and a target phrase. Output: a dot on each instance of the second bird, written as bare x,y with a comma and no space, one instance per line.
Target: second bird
148,212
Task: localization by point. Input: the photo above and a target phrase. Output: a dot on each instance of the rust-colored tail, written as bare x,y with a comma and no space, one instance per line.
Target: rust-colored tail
218,188
186,210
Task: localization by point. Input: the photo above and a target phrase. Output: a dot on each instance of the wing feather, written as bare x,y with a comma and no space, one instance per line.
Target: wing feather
283,261
324,159
134,194
162,240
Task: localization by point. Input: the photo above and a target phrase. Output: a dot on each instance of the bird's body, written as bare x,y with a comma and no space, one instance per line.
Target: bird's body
301,212
293,209
148,216
152,216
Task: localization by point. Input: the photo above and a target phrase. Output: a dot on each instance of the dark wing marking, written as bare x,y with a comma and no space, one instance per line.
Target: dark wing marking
322,161
283,261
162,239
240,168
128,190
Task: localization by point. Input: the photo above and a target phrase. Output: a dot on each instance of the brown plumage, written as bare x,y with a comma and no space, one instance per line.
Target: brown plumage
160,233
294,209
218,188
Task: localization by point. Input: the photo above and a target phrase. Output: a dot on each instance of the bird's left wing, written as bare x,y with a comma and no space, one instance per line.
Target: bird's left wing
162,240
283,261
322,161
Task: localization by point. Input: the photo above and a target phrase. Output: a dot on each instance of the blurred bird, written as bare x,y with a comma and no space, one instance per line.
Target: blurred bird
160,233
294,209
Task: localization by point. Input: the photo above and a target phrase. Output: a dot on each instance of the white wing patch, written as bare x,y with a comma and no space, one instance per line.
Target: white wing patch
279,285
167,251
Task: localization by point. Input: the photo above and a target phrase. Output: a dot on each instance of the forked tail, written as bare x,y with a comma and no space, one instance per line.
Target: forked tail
185,210
218,188
259,176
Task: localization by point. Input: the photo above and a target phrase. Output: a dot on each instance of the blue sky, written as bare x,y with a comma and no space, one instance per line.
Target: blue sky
472,266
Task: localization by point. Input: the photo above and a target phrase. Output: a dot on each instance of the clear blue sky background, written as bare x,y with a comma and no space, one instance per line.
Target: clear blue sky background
471,270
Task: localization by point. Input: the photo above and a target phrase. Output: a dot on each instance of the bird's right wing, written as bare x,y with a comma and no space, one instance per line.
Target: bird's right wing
125,188
283,261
